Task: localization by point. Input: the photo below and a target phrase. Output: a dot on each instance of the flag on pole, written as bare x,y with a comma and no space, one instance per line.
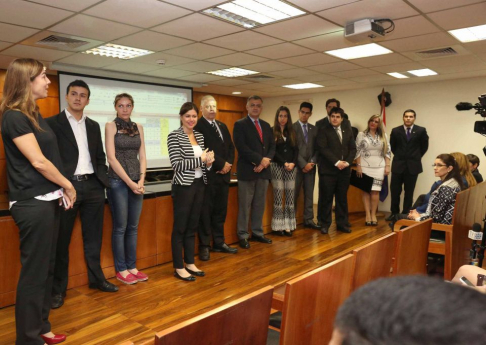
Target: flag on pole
384,187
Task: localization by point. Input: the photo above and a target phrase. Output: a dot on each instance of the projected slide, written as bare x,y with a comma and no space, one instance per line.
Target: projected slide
156,108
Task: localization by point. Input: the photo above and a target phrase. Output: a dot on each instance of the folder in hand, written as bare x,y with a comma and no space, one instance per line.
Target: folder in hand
364,183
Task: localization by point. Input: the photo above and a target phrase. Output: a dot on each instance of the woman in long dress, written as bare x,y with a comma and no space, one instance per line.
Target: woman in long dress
373,159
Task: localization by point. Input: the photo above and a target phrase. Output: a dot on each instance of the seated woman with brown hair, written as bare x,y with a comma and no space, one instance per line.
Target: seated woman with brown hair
464,170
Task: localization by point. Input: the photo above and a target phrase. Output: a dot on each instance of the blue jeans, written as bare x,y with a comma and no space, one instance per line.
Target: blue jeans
126,207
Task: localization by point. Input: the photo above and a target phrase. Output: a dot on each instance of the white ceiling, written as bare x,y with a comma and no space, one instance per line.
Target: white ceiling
291,51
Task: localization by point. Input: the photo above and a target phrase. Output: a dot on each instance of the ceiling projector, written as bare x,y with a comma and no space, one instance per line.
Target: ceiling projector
364,30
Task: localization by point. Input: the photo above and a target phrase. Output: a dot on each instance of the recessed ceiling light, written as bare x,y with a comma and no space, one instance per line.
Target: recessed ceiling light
303,86
233,72
423,72
236,92
397,75
471,34
357,52
250,13
118,51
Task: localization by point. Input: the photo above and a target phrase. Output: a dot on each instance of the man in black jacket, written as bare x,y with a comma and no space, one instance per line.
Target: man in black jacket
84,162
337,149
256,147
217,139
408,144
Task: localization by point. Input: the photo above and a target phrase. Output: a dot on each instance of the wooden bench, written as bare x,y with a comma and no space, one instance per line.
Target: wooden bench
244,321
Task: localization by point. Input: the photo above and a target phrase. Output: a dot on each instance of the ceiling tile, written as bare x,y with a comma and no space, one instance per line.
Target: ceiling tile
199,51
170,73
132,67
392,9
14,33
336,82
268,66
202,66
476,47
399,67
427,6
152,41
428,41
244,41
310,59
455,64
35,15
382,60
334,40
334,67
88,60
4,45
170,60
298,28
272,89
354,73
71,5
279,51
412,26
460,17
294,73
231,82
5,61
142,13
317,77
237,59
201,78
372,78
91,27
22,51
195,5
319,5
280,82
197,27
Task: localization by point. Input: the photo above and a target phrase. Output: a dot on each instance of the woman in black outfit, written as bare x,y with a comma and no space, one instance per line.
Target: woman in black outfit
36,188
283,173
189,159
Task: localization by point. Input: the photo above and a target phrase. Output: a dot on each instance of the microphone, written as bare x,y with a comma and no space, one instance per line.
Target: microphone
464,106
475,234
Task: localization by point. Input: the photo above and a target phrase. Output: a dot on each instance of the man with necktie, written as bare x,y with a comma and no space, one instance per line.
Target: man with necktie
408,143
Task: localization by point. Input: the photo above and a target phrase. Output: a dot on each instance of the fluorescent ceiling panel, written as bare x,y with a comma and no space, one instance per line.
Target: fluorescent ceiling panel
397,75
233,72
118,51
423,72
303,86
357,52
471,34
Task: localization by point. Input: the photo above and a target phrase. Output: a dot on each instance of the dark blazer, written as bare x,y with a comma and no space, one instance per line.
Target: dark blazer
307,151
332,150
224,150
285,152
407,155
251,150
69,148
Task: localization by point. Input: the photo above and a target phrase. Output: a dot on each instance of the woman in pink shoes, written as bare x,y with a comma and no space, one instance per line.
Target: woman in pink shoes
125,149
36,187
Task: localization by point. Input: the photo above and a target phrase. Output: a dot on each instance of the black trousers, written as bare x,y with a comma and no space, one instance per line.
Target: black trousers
334,186
214,211
90,202
408,181
188,202
38,223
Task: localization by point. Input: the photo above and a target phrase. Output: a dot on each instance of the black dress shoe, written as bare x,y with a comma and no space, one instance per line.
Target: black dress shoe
105,286
57,301
196,273
279,233
348,224
288,233
345,230
224,248
186,279
324,230
244,243
390,217
311,224
261,239
204,253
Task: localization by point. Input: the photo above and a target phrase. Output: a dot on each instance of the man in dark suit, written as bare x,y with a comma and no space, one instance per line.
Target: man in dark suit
254,141
337,149
84,162
408,144
218,139
305,135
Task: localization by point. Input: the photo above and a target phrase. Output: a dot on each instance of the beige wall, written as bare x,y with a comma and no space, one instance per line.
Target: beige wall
434,102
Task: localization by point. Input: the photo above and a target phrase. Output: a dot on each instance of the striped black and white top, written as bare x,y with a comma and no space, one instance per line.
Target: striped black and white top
182,159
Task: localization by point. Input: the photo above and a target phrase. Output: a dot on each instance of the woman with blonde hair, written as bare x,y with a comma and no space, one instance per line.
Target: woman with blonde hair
36,187
464,170
373,159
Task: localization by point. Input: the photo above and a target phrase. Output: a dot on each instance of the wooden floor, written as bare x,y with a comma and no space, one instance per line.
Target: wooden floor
137,312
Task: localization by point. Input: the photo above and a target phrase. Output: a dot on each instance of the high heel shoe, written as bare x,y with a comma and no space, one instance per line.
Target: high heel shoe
368,223
374,223
187,279
56,339
196,273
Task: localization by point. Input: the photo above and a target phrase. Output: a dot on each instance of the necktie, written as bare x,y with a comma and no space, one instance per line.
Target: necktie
259,129
213,124
408,134
338,131
306,134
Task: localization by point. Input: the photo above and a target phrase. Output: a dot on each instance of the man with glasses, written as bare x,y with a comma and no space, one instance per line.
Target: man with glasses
408,143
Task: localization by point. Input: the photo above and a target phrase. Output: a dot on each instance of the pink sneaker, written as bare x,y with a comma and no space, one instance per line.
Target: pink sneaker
141,277
129,279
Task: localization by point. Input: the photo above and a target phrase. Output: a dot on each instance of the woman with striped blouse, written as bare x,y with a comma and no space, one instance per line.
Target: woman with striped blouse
189,159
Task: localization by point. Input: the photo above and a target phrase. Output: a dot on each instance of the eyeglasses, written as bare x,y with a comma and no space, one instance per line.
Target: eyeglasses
438,165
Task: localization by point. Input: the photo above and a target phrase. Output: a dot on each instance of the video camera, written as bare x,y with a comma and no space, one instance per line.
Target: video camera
479,126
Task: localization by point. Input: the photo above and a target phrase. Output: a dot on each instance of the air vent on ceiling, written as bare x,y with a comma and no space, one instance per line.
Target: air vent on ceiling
435,53
260,77
59,41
